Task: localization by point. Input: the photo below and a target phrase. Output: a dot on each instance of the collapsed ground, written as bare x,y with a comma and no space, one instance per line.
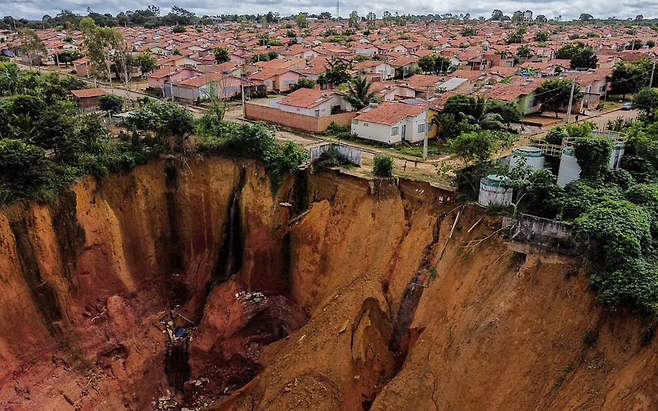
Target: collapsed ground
205,291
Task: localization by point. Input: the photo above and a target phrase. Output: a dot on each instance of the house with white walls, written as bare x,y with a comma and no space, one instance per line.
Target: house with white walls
391,123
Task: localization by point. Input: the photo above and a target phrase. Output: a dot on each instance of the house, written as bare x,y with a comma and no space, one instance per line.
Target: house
88,99
304,109
315,103
157,79
81,67
208,85
523,93
386,70
277,79
421,83
456,84
391,123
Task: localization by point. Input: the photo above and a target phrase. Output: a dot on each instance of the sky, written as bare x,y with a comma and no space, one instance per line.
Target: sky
568,9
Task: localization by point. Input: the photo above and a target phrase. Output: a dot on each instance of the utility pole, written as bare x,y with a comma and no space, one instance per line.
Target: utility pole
653,69
244,112
427,122
573,88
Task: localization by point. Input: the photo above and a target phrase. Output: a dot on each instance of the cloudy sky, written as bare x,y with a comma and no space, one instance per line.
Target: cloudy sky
568,9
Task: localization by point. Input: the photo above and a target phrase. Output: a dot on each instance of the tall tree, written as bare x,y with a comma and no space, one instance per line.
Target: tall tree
359,94
554,94
222,55
31,45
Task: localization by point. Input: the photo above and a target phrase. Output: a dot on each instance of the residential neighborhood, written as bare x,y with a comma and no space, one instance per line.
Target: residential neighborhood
305,69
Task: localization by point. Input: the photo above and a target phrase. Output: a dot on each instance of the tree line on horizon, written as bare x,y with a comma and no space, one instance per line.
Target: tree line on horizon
151,17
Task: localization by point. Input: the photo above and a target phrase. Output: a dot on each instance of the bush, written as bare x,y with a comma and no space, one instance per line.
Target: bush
383,166
330,158
335,129
23,170
556,136
110,102
593,155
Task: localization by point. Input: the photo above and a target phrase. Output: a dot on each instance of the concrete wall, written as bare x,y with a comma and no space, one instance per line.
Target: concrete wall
296,121
542,232
353,154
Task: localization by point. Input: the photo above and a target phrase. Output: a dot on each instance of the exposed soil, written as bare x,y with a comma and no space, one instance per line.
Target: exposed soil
205,291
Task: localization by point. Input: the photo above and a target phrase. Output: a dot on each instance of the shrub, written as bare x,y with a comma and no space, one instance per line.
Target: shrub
383,166
23,170
593,155
111,103
330,158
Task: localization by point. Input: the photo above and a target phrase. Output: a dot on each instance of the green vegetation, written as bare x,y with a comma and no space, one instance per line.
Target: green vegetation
46,144
554,94
303,83
255,141
383,166
331,158
581,55
435,64
111,103
359,94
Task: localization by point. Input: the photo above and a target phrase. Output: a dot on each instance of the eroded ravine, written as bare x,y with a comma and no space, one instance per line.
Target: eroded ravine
197,286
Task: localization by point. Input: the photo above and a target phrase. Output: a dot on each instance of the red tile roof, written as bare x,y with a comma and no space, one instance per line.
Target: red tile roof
87,93
306,98
389,113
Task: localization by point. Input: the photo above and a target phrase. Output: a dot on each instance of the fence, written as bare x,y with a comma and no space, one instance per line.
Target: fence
544,233
296,121
353,154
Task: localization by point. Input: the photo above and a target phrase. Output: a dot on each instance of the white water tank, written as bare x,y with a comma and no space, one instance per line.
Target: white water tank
569,169
532,155
494,191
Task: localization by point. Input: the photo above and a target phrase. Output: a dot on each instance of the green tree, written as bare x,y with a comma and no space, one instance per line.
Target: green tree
170,122
383,166
30,44
593,156
554,94
301,21
222,55
359,94
336,73
354,20
55,131
111,102
179,29
146,63
585,17
434,64
647,101
23,170
524,51
497,15
479,147
10,78
542,36
303,83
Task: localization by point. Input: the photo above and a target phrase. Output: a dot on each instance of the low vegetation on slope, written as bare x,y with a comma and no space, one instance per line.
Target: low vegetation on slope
45,143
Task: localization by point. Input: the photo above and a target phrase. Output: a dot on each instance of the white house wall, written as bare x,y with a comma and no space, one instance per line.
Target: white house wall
376,132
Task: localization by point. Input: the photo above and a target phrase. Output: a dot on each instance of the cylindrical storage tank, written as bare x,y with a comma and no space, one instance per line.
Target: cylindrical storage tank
617,154
532,156
569,169
494,191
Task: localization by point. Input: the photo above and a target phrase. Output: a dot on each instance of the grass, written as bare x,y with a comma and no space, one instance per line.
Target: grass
417,150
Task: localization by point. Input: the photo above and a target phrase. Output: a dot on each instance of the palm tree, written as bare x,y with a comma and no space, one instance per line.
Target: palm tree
359,94
10,78
481,114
